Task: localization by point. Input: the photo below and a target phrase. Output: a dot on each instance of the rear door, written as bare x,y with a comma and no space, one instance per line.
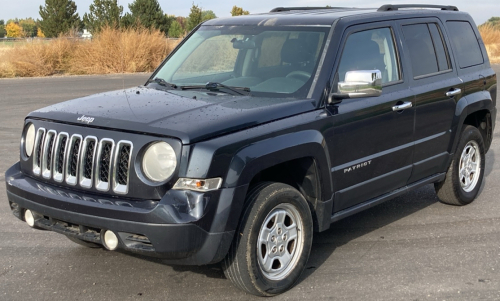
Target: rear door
372,143
437,88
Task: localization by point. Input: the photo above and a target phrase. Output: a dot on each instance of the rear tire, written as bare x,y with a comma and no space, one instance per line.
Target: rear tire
465,174
272,243
84,243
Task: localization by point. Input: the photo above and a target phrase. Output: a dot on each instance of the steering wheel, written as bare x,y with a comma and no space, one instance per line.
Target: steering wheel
300,75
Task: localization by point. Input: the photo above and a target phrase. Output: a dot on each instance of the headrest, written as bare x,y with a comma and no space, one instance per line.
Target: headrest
294,51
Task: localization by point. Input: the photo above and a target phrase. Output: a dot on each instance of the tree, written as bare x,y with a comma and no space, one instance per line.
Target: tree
207,15
2,28
13,30
102,13
238,11
39,33
59,17
182,21
194,18
29,28
494,21
175,30
147,13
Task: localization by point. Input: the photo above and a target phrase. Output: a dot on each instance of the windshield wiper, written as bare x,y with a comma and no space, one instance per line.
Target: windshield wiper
212,86
162,82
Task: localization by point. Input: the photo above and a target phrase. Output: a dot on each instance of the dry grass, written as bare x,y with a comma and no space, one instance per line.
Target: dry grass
112,51
117,51
491,39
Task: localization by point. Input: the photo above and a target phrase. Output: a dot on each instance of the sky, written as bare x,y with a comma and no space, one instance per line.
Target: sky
480,11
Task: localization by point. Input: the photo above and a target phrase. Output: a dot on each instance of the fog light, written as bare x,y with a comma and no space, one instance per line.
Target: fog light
29,218
110,240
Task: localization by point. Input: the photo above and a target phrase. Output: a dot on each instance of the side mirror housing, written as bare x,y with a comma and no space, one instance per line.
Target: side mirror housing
358,84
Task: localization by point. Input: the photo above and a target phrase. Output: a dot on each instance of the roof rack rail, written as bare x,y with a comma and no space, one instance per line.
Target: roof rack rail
390,7
279,9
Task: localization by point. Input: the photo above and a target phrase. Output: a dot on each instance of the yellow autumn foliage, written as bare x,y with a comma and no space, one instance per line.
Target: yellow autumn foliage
13,30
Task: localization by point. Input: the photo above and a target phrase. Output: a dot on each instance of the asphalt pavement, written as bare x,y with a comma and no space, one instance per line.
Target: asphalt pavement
409,248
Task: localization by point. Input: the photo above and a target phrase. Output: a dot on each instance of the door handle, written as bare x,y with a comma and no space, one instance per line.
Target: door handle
453,92
405,105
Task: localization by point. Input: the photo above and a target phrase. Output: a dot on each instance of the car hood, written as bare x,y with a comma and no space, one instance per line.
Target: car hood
190,116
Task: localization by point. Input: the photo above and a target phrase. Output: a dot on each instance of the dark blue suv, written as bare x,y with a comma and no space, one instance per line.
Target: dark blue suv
259,130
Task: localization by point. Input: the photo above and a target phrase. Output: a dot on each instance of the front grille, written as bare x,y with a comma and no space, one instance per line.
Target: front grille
104,166
83,161
61,151
88,163
49,152
75,152
37,160
124,164
46,154
122,159
105,162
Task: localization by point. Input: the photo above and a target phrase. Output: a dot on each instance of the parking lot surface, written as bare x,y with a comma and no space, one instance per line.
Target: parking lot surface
409,248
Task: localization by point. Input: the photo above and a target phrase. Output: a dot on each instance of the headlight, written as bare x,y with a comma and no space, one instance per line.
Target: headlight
29,140
159,162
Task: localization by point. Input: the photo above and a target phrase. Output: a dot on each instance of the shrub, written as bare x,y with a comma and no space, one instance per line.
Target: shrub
120,50
111,51
491,39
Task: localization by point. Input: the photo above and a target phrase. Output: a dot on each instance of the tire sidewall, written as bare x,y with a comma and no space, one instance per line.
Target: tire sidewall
255,218
469,134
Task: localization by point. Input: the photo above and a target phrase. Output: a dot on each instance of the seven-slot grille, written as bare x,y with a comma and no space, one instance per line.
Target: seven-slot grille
83,161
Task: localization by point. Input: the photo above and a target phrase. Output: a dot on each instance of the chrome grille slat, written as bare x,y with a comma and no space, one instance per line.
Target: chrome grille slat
47,152
59,155
37,159
123,165
103,168
83,161
73,158
121,168
87,161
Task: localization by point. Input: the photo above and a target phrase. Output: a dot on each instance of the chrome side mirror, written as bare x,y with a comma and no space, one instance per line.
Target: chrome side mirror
357,84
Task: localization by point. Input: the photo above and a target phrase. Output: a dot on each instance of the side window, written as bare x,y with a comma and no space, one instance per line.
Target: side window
465,43
439,47
419,42
369,50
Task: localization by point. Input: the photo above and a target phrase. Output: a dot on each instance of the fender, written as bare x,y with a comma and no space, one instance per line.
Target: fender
252,159
467,105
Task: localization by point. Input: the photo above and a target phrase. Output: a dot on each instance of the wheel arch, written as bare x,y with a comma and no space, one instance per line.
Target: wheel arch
478,110
298,159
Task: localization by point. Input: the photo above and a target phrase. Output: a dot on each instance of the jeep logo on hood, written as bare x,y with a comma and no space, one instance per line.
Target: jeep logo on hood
86,119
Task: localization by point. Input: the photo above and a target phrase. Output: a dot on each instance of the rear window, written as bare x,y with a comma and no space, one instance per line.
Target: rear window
465,43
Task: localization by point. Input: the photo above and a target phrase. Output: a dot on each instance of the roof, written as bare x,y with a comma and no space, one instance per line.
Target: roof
314,16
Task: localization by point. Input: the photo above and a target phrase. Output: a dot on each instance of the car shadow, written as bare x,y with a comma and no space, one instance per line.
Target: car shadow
340,233
360,224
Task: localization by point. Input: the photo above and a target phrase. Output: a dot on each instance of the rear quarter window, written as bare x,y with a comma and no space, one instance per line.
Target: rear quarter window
465,43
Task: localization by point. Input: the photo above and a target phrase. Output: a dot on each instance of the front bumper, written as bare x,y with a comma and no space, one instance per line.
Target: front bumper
154,228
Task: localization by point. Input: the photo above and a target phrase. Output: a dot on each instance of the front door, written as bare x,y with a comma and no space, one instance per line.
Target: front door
372,141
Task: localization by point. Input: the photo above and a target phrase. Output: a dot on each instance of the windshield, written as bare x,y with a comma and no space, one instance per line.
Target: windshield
266,60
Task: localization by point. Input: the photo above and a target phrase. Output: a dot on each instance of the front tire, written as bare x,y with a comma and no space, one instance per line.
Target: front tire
465,174
273,241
